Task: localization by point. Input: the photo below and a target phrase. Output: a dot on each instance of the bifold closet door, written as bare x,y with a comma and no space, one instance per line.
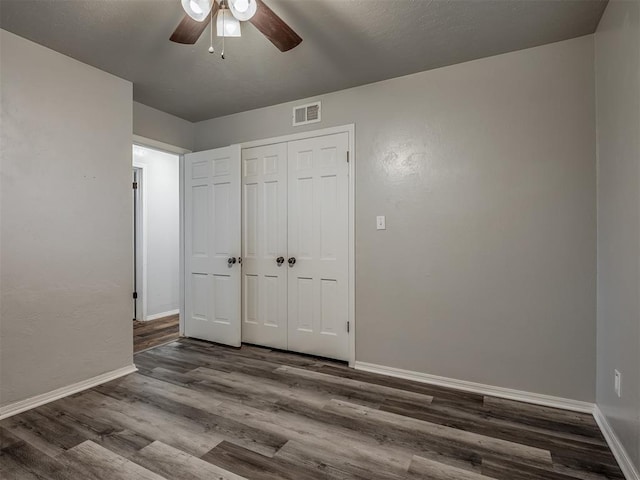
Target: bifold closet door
212,245
318,245
264,245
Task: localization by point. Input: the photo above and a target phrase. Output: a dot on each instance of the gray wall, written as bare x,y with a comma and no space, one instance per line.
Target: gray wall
618,105
66,215
486,173
163,127
161,189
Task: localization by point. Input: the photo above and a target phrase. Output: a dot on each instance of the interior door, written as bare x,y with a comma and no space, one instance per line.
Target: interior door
264,245
318,243
212,245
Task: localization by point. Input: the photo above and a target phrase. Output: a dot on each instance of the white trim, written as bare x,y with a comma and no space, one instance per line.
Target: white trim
350,130
181,268
624,460
500,392
157,145
33,402
141,241
155,316
352,244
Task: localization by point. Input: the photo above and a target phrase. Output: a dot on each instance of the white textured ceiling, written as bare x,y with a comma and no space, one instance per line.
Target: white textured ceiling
346,43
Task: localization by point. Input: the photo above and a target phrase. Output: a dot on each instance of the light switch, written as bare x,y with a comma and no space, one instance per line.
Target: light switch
381,223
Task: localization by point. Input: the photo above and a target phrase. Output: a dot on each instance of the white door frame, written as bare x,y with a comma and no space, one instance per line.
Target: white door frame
350,130
140,245
168,148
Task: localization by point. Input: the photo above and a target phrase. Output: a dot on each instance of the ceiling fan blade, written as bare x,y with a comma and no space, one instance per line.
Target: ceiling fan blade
274,28
188,30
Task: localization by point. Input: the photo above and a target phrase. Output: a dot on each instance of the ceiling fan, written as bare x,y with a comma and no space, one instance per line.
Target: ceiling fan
199,13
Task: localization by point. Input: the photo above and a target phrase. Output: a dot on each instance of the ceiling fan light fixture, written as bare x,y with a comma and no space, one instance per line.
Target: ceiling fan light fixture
243,10
197,9
227,25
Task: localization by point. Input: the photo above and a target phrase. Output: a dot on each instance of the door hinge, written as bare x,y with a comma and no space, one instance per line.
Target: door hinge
135,295
347,156
135,185
348,326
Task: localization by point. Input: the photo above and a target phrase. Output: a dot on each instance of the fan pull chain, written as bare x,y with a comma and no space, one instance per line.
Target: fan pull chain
224,32
211,50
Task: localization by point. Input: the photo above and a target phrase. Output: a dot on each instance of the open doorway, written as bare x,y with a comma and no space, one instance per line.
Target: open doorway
156,204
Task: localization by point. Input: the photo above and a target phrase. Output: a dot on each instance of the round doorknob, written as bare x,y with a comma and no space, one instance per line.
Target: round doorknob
231,261
292,261
280,261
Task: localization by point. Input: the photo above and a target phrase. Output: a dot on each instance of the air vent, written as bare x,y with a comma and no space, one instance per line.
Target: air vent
304,114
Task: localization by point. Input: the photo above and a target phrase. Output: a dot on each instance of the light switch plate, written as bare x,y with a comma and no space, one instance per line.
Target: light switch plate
381,223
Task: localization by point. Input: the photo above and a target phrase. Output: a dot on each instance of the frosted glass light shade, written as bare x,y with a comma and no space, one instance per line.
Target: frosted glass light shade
243,10
197,9
227,25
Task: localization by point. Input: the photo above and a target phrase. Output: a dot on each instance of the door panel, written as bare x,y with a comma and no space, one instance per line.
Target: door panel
200,220
264,239
303,213
318,238
212,230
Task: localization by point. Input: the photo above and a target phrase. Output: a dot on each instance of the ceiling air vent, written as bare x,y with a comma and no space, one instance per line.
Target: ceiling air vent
305,114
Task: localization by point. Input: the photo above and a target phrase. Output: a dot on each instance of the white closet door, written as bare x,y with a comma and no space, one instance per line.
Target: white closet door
264,241
212,245
319,241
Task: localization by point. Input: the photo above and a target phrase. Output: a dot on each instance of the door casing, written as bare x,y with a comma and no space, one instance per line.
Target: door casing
140,244
166,147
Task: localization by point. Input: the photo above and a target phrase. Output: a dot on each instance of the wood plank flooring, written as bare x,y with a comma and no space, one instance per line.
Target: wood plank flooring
152,333
196,410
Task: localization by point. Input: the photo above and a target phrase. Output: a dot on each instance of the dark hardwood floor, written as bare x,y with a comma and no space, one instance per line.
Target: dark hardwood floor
201,411
152,333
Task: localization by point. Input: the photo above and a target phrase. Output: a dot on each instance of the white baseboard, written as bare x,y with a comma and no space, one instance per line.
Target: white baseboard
510,394
33,402
622,457
155,316
626,465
